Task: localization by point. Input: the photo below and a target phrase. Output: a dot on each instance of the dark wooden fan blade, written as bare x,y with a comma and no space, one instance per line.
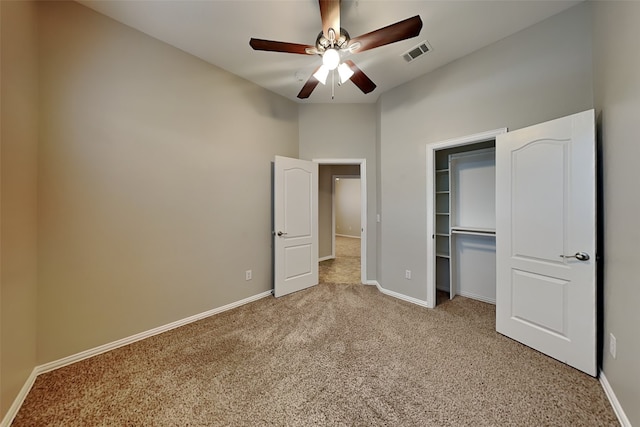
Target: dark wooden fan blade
360,79
309,86
390,34
330,14
273,46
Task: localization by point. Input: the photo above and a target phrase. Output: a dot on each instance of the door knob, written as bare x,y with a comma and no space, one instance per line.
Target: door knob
280,234
580,256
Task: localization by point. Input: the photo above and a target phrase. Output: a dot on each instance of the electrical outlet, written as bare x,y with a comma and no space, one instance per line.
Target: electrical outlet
612,345
248,275
407,274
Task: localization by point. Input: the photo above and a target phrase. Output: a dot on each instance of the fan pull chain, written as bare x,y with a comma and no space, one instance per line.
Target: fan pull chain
333,86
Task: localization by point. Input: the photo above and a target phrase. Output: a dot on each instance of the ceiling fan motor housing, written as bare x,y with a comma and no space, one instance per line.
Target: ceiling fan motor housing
341,42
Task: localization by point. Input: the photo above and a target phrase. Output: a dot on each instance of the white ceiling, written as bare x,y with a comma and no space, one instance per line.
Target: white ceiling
219,31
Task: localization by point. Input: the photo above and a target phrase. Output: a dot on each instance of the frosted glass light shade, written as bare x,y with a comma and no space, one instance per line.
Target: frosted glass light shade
345,72
331,58
321,74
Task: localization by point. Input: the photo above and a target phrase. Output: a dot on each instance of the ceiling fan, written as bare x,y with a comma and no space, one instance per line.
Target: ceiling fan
333,41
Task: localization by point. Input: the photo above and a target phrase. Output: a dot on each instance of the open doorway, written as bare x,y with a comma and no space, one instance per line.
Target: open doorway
342,220
344,265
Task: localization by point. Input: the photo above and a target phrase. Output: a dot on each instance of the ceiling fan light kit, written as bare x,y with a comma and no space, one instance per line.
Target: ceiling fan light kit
331,47
331,58
345,72
322,74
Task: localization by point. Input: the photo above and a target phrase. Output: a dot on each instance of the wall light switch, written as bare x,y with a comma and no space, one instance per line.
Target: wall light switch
248,275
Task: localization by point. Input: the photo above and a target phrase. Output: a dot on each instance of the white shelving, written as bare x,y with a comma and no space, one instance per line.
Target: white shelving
443,223
465,222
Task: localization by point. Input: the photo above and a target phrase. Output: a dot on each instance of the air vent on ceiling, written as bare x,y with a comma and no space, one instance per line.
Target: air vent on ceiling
417,51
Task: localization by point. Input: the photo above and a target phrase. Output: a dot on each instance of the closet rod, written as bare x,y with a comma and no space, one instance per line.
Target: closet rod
473,232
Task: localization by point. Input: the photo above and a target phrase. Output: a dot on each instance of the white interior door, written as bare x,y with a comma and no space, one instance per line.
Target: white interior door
545,238
296,225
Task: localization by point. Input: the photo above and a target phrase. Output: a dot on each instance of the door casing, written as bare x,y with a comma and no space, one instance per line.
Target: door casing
363,207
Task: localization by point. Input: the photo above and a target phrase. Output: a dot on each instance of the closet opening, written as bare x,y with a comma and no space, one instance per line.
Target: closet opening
461,218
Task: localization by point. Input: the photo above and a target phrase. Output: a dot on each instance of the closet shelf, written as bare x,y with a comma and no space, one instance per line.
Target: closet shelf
442,255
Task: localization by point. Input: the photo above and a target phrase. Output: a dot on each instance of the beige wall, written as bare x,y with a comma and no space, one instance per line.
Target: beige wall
617,91
538,74
344,131
154,179
18,166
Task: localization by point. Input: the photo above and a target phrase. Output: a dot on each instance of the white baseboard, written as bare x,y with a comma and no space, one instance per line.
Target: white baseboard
372,283
19,400
402,297
477,297
56,364
325,258
346,235
617,408
47,367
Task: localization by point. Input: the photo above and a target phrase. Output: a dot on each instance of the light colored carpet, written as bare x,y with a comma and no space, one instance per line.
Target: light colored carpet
331,355
345,267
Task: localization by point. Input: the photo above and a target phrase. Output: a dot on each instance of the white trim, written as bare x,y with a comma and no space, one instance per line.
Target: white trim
402,297
363,207
477,297
326,258
617,408
346,235
19,400
431,194
372,283
56,364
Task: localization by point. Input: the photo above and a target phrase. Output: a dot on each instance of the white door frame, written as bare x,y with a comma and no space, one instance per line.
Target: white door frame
431,199
363,208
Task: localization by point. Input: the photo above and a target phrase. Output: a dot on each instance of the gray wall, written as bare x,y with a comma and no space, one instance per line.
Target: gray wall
352,136
538,74
155,194
134,215
347,207
617,94
18,194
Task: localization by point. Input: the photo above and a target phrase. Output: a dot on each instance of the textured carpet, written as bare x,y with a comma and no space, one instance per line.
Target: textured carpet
345,267
331,355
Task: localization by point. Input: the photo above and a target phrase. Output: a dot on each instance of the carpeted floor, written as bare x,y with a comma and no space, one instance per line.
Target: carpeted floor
332,355
345,267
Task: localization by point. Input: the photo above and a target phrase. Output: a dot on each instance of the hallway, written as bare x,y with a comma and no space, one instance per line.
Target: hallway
345,268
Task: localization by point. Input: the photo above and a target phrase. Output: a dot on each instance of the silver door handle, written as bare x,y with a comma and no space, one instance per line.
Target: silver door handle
280,234
580,256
